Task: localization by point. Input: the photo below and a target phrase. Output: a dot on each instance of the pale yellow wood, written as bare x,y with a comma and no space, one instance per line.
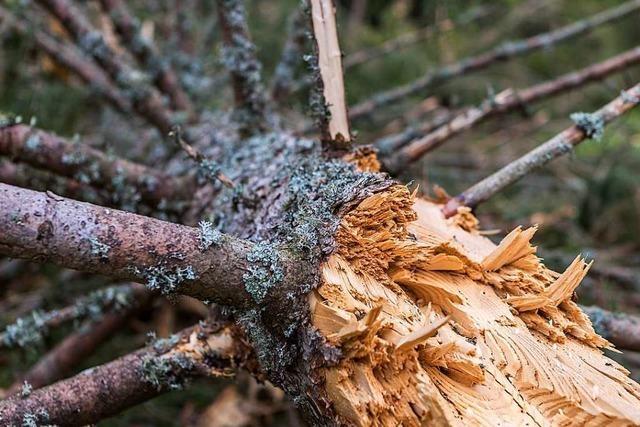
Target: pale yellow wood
487,334
330,64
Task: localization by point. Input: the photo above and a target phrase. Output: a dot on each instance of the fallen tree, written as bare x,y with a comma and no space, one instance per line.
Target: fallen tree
366,304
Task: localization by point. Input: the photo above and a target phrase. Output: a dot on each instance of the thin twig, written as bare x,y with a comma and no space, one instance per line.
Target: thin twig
506,102
503,52
587,126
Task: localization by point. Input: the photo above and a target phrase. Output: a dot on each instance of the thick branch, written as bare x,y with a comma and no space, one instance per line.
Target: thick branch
239,56
335,126
509,101
146,101
623,330
503,52
164,77
587,126
71,59
169,257
108,389
89,166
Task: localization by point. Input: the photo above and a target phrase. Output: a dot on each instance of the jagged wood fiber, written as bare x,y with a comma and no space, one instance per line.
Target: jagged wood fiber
439,326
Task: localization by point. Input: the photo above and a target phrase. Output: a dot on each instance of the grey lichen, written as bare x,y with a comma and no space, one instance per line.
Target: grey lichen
26,331
116,298
265,271
26,390
40,418
209,235
591,124
166,279
165,371
33,142
629,98
208,170
99,248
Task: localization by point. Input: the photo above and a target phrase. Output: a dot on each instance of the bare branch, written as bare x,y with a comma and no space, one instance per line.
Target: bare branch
70,58
106,390
623,330
508,101
169,257
89,166
503,52
164,77
239,56
406,40
291,57
146,101
335,124
587,126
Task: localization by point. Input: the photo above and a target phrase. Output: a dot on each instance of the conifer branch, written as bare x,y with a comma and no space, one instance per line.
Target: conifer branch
588,126
89,166
164,77
503,52
239,56
506,102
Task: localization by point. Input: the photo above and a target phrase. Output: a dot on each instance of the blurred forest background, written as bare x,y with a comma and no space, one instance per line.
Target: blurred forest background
587,202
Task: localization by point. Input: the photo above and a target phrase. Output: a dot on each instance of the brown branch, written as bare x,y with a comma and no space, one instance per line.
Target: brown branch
108,389
31,329
507,102
21,175
587,126
335,123
165,79
406,40
146,101
89,166
239,56
503,52
70,58
291,57
75,348
623,330
204,264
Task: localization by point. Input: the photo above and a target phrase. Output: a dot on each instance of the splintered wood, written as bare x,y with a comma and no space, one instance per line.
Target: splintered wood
439,326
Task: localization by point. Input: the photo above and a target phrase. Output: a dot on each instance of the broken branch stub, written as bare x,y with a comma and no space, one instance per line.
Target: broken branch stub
335,124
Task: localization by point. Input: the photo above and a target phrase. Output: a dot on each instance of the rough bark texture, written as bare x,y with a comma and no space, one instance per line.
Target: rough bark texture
103,391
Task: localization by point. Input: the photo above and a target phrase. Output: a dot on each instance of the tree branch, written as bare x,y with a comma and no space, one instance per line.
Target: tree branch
70,58
334,123
204,263
89,166
507,102
503,52
405,40
291,57
146,101
106,390
623,330
587,126
165,79
239,56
